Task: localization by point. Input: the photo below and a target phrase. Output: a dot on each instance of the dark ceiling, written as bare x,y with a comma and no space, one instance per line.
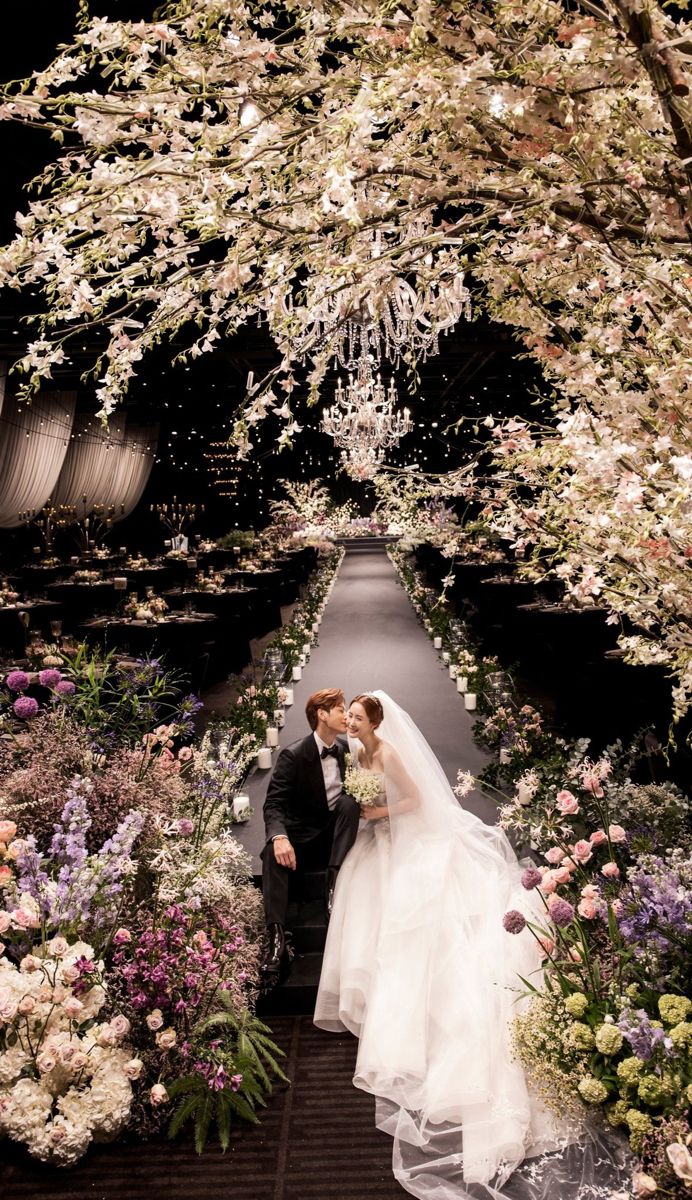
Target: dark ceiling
477,371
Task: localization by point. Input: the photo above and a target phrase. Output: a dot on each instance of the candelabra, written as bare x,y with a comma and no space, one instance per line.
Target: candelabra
177,516
46,520
93,524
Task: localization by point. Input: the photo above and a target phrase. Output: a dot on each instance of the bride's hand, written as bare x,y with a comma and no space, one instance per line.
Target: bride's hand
375,813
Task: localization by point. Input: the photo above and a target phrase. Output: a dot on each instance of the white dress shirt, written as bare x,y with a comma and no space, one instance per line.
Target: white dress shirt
330,770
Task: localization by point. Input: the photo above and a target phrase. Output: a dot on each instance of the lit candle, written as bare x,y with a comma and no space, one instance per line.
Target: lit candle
120,583
241,806
462,683
297,674
272,736
445,656
453,670
470,701
264,758
524,793
437,643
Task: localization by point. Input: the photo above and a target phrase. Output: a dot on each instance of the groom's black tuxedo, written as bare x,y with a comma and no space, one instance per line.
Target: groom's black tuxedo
296,806
296,800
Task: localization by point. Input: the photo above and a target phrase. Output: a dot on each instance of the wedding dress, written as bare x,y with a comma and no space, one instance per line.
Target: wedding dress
418,966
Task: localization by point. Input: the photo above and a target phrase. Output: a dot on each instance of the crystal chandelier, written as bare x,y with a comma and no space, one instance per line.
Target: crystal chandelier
384,315
363,422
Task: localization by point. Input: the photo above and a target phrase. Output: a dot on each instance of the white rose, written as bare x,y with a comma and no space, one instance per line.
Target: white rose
166,1039
158,1094
681,1161
155,1019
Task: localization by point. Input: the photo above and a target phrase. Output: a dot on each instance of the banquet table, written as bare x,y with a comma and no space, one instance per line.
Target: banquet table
41,613
235,608
156,575
267,586
83,598
187,640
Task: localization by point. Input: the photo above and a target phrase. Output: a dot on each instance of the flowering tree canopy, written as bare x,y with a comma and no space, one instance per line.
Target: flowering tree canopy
376,166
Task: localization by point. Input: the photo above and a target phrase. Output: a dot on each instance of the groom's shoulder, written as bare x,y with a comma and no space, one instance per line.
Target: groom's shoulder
300,745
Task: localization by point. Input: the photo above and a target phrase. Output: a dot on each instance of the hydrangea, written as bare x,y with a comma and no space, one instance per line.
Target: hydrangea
576,1004
609,1039
578,1036
639,1125
674,1009
652,1089
629,1070
592,1090
681,1035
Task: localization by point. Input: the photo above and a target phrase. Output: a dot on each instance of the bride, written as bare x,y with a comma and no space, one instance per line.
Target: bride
417,965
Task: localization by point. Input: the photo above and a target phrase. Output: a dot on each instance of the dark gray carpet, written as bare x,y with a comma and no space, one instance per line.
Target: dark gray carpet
371,638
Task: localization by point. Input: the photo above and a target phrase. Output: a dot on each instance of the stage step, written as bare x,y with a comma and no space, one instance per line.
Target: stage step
307,924
296,997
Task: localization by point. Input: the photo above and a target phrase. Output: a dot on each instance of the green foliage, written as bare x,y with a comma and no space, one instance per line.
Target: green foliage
119,701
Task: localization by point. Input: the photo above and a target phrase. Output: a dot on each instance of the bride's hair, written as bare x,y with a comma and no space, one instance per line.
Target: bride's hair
372,706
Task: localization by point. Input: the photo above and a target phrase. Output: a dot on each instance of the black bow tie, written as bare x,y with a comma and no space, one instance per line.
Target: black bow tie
327,750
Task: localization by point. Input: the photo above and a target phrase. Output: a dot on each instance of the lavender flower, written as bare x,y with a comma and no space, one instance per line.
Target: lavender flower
514,921
642,1036
17,681
657,916
25,707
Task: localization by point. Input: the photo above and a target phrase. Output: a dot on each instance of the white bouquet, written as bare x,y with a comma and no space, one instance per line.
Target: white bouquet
364,786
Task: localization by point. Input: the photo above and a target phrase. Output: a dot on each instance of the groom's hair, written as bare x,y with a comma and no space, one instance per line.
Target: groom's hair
326,698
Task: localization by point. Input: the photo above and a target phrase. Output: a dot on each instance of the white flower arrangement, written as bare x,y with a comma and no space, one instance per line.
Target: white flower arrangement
364,786
64,1079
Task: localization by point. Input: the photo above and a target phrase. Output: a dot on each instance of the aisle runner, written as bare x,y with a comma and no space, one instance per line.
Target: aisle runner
370,638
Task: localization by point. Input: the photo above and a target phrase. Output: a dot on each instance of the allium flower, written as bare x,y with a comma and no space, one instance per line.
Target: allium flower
17,681
185,827
49,678
531,878
561,912
25,707
65,687
514,921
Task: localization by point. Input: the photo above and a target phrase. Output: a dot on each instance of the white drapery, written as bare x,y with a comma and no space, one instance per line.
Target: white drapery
90,463
33,443
132,469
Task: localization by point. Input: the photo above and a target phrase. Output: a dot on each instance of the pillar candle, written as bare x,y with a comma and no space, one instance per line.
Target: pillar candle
462,683
524,793
437,643
315,626
306,649
504,754
241,806
279,718
453,670
288,697
272,736
445,656
297,673
264,758
470,701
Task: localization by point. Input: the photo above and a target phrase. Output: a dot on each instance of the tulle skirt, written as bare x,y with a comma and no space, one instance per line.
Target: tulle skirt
419,968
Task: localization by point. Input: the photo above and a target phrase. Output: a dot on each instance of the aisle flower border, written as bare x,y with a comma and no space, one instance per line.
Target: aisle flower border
608,1025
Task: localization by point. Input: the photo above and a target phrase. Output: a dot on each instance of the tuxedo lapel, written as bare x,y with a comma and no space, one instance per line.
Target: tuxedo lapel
313,770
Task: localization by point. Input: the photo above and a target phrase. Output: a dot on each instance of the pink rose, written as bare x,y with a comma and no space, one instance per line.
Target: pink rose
45,1062
569,864
58,947
26,1005
133,1068
155,1019
5,875
72,1007
598,837
547,945
166,1039
106,1036
588,909
121,937
591,782
30,963
8,830
120,1025
581,851
158,1095
590,891
5,922
611,870
616,833
80,1060
566,803
548,884
554,855
24,919
70,973
562,875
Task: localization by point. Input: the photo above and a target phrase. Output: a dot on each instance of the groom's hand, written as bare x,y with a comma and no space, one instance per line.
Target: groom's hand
284,853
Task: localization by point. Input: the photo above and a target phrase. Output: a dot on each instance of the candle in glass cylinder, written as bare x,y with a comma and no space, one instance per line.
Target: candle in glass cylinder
470,701
120,583
279,719
297,673
264,758
241,806
445,656
453,670
437,643
462,683
315,626
306,649
272,736
288,697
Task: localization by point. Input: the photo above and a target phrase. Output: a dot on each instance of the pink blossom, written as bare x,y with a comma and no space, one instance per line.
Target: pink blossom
185,753
25,919
554,854
617,834
17,681
186,827
120,1025
562,875
155,1019
72,1007
121,937
5,875
26,1005
566,803
548,884
588,909
547,945
5,921
133,1068
611,870
598,837
581,851
8,830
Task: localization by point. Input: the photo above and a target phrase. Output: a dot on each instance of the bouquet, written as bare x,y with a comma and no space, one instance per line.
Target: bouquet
365,787
7,595
150,609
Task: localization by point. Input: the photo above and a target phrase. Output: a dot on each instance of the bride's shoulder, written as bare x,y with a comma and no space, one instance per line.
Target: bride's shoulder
389,754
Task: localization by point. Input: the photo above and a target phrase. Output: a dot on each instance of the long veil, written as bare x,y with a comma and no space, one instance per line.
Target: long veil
433,1007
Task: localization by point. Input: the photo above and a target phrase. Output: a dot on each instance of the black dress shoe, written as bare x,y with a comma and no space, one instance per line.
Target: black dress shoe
332,873
274,959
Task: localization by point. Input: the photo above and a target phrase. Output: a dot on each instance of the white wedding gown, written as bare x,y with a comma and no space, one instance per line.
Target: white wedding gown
418,966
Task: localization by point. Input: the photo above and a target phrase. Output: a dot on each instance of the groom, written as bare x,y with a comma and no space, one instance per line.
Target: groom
310,821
